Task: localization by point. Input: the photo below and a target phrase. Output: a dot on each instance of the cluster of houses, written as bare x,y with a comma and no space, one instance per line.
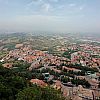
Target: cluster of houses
42,60
88,55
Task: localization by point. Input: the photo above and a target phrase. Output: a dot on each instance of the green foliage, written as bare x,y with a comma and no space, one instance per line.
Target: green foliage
10,46
80,82
83,68
6,93
31,93
10,84
68,53
65,79
37,93
14,86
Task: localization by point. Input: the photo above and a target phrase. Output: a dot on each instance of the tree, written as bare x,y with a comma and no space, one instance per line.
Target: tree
51,94
30,93
38,93
15,86
65,79
81,82
6,93
10,84
17,82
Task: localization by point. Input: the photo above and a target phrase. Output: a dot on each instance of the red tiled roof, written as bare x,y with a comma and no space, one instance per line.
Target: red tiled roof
38,82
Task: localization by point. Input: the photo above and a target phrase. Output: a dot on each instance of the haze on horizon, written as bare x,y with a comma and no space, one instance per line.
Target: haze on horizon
50,15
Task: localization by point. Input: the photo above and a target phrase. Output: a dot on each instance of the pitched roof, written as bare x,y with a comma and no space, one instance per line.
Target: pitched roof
38,82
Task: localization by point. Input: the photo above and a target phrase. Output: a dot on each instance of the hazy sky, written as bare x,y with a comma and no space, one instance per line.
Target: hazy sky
50,15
